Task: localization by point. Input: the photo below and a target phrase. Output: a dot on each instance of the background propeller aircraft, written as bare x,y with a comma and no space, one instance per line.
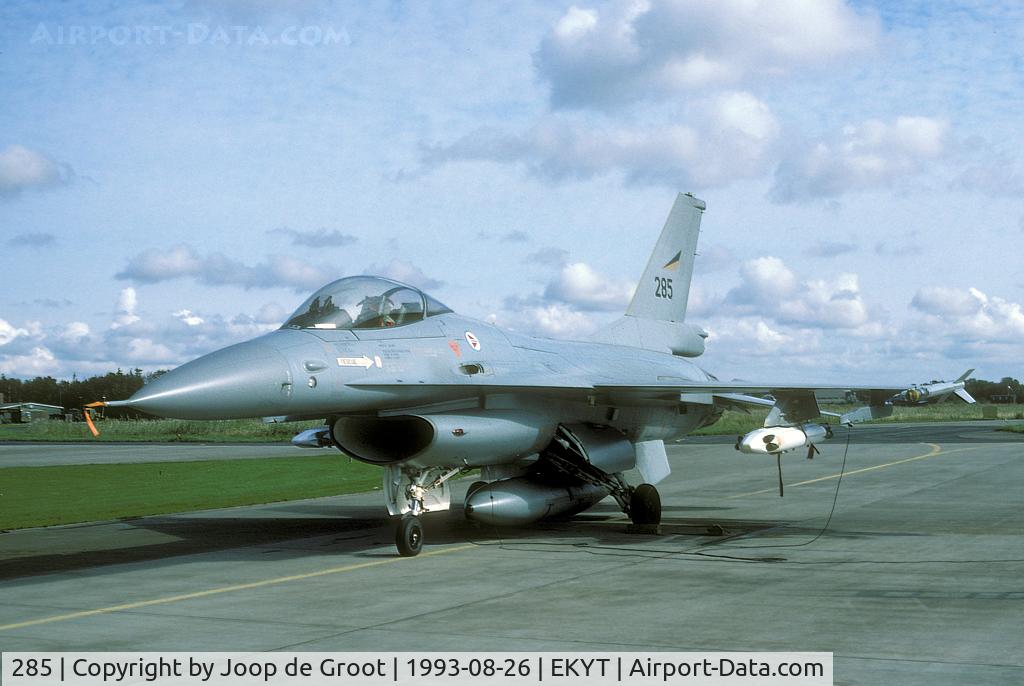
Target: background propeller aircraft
405,383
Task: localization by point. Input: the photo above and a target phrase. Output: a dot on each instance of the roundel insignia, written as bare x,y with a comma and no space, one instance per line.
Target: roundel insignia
473,341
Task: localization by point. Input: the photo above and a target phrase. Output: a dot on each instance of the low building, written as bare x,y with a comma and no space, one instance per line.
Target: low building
20,413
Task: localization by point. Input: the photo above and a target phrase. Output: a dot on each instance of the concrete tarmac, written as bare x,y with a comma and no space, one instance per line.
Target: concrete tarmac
917,578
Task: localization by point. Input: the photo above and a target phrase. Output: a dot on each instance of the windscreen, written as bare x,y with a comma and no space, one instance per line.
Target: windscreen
363,302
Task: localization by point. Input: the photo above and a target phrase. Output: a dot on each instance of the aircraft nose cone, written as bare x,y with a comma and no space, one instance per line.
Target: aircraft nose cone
250,379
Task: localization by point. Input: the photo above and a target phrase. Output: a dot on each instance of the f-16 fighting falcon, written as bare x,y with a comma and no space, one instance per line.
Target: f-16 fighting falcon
403,382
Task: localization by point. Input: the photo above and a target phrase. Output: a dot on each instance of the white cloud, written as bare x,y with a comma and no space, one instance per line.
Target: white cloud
189,317
770,289
146,351
701,302
971,316
943,301
575,301
642,49
154,265
162,341
575,24
9,332
751,335
75,332
728,136
580,285
216,269
868,155
38,362
23,169
766,280
285,271
554,320
127,301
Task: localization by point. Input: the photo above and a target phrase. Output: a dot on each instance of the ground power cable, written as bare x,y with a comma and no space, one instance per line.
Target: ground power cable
662,554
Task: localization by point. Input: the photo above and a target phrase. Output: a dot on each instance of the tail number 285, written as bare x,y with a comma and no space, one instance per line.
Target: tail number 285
662,287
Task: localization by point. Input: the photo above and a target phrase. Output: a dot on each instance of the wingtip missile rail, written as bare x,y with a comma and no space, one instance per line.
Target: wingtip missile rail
935,392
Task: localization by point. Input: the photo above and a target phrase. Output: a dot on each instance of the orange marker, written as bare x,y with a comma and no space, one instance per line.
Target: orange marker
92,427
88,417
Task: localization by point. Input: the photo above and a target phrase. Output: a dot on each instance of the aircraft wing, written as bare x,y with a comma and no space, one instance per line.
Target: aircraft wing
793,402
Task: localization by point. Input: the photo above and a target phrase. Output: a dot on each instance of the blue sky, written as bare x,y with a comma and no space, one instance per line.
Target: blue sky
175,177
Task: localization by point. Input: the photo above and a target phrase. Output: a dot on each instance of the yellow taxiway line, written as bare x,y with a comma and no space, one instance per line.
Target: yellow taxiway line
225,589
935,450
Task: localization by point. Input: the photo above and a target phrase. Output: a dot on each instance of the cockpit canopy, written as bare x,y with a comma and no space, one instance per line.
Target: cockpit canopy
364,302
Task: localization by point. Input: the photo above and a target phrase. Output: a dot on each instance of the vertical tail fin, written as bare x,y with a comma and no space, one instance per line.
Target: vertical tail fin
664,290
654,318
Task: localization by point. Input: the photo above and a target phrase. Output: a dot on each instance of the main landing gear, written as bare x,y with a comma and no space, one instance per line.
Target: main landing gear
642,504
645,506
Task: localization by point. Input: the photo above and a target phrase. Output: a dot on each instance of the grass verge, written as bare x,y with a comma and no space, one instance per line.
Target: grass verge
1015,428
158,430
42,496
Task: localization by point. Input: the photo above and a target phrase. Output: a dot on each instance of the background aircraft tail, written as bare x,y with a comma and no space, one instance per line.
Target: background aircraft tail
654,318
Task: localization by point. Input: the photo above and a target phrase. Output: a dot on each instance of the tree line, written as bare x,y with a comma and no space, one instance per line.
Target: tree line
984,390
75,393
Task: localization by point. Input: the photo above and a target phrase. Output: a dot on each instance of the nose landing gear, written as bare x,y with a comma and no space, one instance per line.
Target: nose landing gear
409,536
411,491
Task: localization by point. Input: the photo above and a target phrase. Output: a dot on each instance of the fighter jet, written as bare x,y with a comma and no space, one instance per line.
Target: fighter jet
403,382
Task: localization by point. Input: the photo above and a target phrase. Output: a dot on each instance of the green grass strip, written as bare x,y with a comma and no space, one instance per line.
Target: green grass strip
158,430
41,496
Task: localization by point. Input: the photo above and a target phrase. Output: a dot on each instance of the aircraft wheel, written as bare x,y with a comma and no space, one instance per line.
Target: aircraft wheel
474,487
645,506
409,536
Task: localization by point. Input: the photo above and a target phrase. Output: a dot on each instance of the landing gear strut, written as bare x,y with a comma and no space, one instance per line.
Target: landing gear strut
409,536
642,504
410,492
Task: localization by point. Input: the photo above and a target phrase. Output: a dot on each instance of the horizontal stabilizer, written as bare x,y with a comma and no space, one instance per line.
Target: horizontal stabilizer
964,395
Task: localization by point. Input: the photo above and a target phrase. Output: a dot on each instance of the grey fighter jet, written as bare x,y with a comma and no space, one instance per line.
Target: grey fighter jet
403,382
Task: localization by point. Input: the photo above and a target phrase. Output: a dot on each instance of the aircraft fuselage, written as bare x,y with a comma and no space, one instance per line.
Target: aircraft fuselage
447,359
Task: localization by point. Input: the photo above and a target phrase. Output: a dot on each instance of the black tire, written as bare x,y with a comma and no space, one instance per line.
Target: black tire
473,487
409,536
645,506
